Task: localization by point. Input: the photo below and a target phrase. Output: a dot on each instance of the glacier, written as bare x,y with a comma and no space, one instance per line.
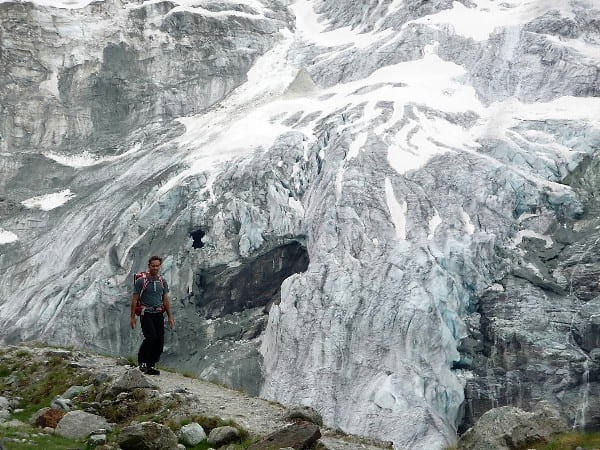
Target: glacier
396,201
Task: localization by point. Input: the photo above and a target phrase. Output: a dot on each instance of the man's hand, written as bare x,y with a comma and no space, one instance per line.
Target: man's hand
133,322
171,323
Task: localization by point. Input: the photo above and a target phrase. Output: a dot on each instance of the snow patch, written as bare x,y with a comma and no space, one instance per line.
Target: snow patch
481,21
434,222
356,145
6,237
531,234
62,4
86,159
469,227
312,28
49,201
397,210
51,84
296,205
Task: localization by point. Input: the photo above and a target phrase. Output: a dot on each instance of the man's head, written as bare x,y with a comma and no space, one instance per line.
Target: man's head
154,265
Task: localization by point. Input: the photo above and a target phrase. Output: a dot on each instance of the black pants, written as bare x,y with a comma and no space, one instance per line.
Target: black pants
153,327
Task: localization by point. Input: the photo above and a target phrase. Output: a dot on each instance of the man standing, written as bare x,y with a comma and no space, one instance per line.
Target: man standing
153,292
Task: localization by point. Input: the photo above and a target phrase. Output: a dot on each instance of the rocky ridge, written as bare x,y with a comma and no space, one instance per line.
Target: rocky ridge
121,394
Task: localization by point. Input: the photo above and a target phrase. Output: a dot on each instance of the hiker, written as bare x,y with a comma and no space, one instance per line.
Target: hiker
149,300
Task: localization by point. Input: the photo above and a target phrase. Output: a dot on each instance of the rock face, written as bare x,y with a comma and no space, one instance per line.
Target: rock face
375,209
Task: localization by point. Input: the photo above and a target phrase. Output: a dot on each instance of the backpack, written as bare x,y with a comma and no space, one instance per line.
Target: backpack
139,308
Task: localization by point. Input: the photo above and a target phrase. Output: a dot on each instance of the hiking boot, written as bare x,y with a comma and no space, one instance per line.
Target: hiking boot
152,371
143,367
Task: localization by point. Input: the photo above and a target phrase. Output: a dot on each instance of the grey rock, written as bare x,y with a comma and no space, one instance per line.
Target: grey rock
79,424
35,416
14,423
297,435
96,440
130,380
64,354
61,403
304,413
74,391
147,436
4,403
508,427
222,435
4,415
191,434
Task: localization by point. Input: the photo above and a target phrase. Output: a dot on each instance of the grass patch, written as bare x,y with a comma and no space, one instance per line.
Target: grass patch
36,439
166,368
209,423
188,374
570,441
37,383
132,360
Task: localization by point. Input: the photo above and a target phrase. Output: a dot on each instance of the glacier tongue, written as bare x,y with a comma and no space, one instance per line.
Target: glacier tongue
437,166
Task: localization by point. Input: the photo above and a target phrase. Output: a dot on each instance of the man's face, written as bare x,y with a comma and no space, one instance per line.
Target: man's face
154,267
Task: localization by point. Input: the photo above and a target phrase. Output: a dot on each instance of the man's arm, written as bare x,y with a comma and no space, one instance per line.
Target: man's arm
134,300
167,306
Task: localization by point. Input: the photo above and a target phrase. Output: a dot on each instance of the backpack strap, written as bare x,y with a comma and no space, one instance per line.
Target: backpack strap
146,283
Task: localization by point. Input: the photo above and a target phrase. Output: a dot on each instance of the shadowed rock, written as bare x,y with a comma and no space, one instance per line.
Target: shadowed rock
299,436
147,436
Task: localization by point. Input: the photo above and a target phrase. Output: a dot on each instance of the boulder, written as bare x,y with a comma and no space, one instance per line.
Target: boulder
305,413
191,434
4,403
297,435
64,354
34,417
14,423
508,427
222,435
61,403
96,439
79,424
147,436
75,390
4,414
49,418
130,380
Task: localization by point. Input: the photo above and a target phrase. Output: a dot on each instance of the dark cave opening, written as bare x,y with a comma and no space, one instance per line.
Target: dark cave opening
256,282
197,237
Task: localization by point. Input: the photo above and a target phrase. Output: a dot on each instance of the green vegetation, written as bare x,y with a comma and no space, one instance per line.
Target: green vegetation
38,377
36,381
570,441
36,439
208,423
